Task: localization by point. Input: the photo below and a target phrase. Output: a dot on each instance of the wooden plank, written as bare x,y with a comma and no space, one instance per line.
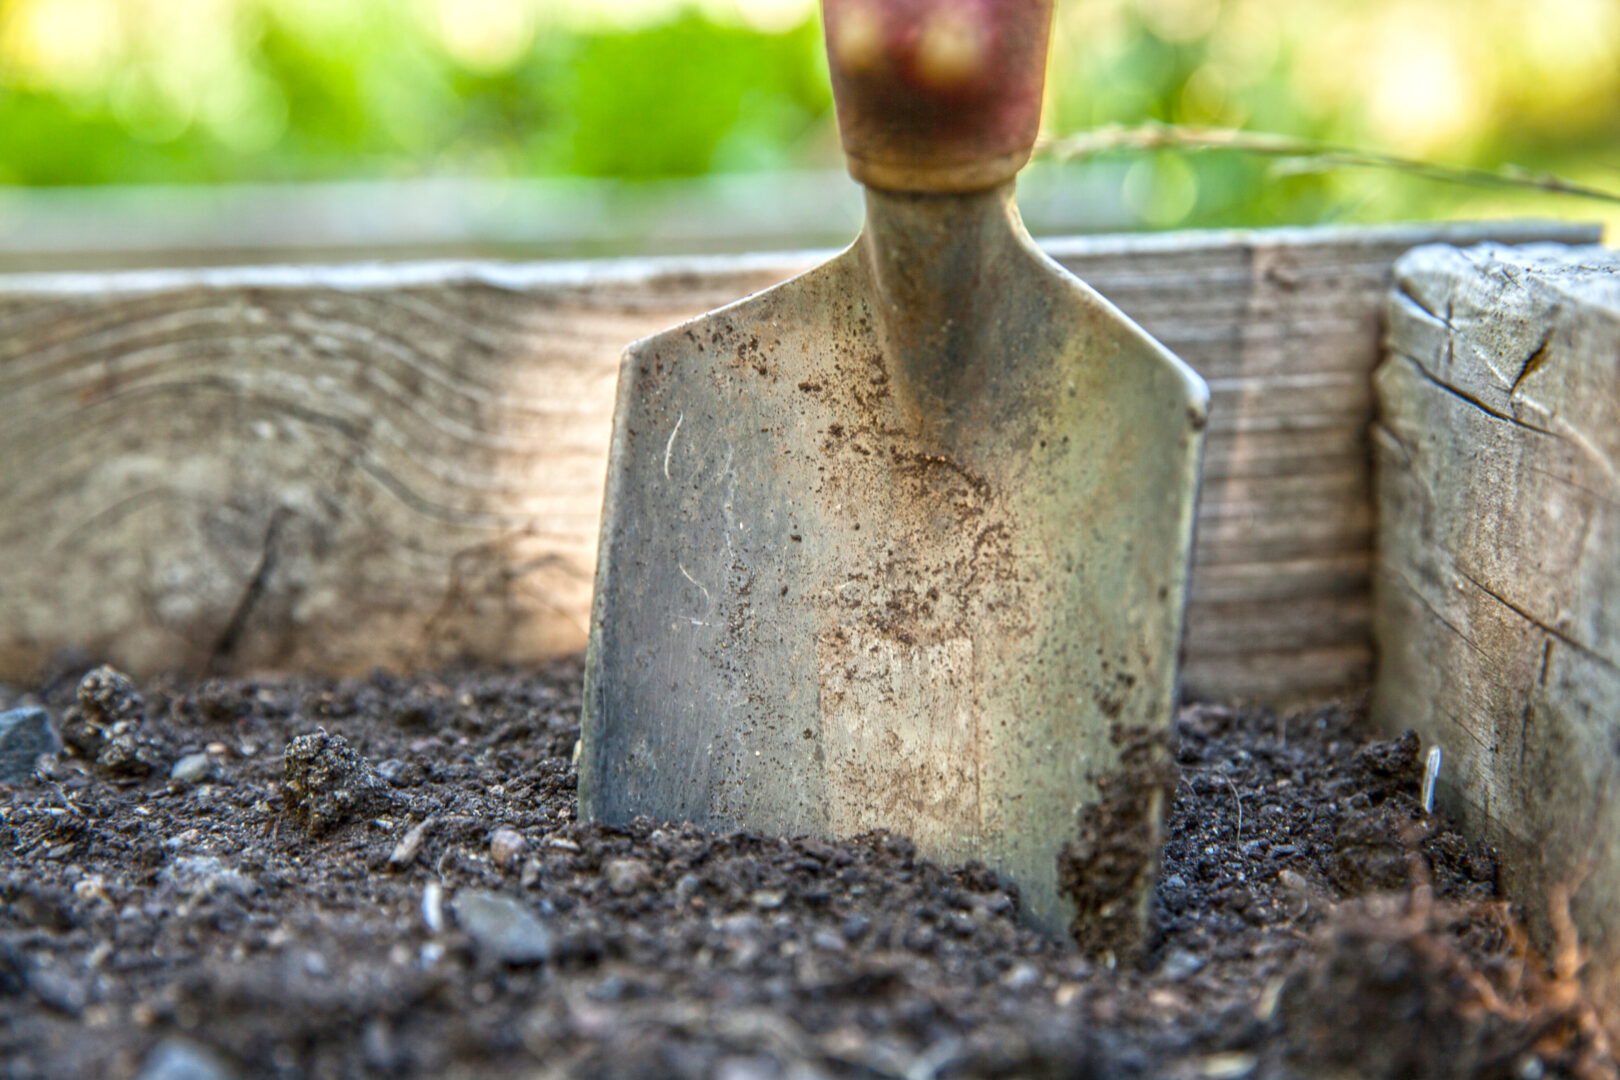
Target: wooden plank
1497,583
318,469
1340,574
1291,675
335,468
1239,627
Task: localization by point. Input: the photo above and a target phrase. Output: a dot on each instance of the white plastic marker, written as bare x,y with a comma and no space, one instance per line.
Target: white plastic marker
1431,773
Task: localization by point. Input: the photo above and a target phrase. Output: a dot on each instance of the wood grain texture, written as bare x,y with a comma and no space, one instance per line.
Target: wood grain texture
328,469
1285,325
314,469
1498,572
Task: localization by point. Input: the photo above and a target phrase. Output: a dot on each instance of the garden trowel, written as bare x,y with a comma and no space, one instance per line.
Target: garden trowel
903,542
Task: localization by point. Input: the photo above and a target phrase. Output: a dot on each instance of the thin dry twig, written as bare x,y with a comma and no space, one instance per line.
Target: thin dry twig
1308,154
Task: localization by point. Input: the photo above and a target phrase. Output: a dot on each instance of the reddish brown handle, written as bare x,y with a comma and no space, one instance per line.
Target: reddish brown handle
937,95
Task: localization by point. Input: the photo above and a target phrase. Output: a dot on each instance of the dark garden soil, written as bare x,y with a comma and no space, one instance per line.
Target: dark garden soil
312,878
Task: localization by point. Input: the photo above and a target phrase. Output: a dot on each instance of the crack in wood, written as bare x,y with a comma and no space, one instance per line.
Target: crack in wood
1584,650
1434,612
1538,356
1463,395
224,649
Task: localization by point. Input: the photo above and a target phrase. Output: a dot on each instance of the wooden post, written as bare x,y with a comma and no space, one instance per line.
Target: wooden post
1497,593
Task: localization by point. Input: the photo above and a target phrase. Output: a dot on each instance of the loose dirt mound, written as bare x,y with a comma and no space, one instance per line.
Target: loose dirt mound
408,894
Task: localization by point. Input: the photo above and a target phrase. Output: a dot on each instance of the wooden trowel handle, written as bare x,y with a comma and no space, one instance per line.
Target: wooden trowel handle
937,96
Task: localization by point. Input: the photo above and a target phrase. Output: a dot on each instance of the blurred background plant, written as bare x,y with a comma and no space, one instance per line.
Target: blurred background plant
143,92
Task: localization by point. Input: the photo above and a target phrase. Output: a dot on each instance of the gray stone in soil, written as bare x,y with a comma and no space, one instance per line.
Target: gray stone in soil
58,990
201,876
192,768
828,940
401,773
25,734
626,876
55,989
504,930
505,846
1020,977
328,784
182,1059
1181,964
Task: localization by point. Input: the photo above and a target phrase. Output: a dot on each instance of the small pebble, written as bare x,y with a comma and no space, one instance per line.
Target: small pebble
828,941
58,990
1181,964
687,887
741,925
182,1059
401,773
378,1046
611,988
768,899
181,839
410,844
92,887
25,734
309,962
505,846
625,876
921,939
996,903
747,1068
1228,1066
191,768
503,929
1021,976
202,876
1293,881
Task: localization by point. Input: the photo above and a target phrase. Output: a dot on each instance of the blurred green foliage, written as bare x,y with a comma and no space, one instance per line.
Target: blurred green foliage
179,91
289,95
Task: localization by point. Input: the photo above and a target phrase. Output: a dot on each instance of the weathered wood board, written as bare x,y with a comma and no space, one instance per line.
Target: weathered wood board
327,469
1498,573
320,469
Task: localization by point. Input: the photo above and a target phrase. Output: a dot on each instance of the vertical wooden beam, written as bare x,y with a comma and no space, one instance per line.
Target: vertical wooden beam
1497,591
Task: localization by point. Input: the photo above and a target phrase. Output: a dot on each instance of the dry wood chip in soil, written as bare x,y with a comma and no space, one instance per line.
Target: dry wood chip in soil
385,878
